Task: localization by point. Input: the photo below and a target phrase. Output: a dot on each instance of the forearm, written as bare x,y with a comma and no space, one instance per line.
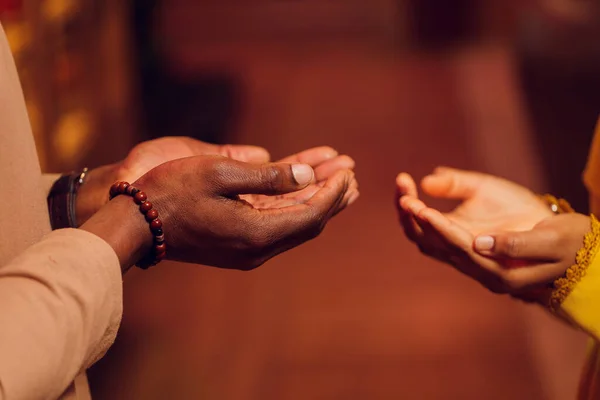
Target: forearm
60,307
61,300
121,225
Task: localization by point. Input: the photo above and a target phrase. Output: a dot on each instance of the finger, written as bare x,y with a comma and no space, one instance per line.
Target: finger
313,157
432,243
330,197
278,203
454,234
234,178
458,243
452,183
411,229
489,272
330,167
246,153
250,154
458,237
405,186
351,196
285,200
305,194
536,244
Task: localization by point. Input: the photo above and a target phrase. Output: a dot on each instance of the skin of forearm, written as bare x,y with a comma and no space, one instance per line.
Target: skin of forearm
120,224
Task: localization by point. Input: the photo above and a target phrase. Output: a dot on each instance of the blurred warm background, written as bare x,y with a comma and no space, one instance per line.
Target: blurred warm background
509,87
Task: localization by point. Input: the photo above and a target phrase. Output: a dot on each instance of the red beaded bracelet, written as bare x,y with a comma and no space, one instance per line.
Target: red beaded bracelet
159,248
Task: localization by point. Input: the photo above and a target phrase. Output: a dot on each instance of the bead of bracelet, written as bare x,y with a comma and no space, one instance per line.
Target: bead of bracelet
159,247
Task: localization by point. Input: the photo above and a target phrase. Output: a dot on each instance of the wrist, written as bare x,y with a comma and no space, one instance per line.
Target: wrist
120,224
93,195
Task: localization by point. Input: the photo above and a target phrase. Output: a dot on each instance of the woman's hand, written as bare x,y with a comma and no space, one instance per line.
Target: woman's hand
207,221
506,255
535,258
488,204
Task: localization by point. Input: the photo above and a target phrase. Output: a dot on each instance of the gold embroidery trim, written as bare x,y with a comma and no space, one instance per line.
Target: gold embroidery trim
564,286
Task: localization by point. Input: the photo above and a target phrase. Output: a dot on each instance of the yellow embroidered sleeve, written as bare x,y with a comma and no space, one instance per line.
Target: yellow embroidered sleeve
577,295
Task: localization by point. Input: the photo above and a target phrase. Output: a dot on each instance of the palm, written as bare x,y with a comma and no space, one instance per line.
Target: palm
499,205
260,201
148,155
325,166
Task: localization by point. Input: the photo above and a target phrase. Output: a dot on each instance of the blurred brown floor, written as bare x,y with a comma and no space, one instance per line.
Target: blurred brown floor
358,313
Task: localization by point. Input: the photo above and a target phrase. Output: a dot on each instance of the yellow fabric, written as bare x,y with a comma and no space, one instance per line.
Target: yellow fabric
582,305
577,272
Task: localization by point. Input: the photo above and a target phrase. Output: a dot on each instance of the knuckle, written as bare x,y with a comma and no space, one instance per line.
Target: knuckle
217,169
227,150
273,177
513,246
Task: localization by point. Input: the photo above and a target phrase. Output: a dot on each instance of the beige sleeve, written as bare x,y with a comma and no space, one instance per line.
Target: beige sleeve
60,308
60,296
48,181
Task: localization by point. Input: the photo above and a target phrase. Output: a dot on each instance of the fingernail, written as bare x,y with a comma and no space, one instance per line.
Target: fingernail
484,243
303,174
353,197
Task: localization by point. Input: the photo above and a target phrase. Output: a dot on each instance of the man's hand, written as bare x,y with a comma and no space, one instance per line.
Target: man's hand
325,163
206,220
148,155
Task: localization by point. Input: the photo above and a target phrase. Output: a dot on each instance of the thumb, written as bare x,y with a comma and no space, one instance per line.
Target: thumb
536,244
452,183
236,177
